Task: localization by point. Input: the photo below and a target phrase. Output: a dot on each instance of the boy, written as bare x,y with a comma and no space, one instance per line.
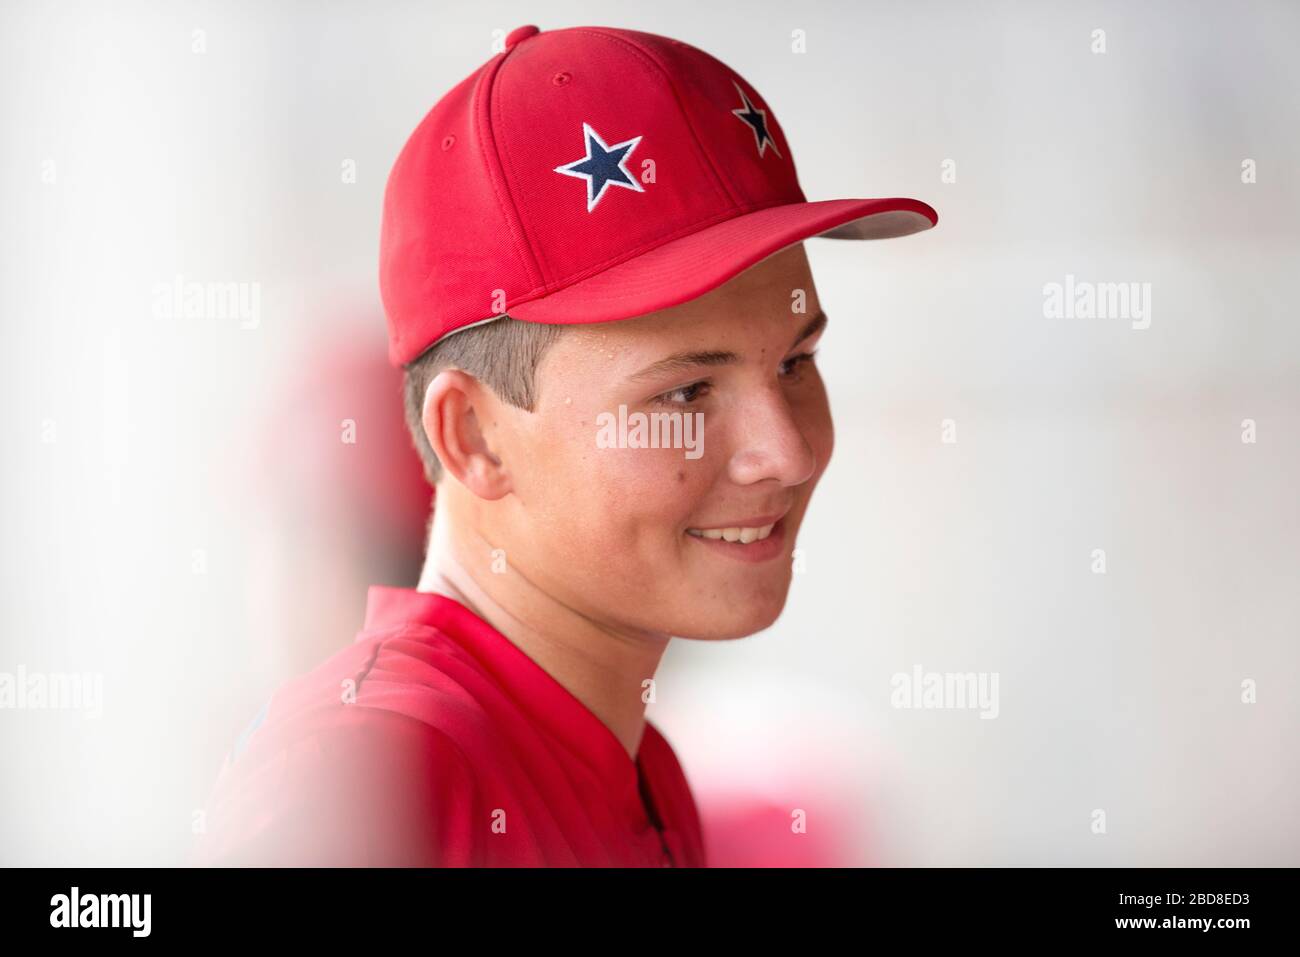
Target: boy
593,273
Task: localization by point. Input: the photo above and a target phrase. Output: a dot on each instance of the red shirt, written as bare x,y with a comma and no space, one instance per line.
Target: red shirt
432,740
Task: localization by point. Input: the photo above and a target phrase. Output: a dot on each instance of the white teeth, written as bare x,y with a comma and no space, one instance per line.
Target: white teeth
734,534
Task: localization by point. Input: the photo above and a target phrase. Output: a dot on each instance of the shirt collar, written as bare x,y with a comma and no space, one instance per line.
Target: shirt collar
548,703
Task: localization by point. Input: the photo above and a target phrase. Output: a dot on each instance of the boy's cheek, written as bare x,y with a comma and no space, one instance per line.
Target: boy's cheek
633,502
603,495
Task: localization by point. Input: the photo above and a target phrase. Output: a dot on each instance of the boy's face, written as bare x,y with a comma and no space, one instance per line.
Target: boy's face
628,536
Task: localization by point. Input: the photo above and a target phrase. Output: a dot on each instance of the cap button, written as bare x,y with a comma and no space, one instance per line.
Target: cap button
521,33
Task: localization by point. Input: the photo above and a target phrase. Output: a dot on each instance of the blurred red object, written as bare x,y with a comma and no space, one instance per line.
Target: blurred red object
343,500
340,435
753,831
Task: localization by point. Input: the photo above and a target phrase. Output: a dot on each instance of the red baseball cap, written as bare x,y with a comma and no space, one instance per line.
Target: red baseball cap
592,174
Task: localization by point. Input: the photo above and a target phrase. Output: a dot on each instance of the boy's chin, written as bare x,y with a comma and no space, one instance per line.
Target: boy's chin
723,621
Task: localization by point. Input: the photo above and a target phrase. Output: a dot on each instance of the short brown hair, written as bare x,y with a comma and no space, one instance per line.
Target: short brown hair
502,354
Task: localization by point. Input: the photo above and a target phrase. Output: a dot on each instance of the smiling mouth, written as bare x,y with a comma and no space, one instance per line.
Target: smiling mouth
759,539
746,531
744,534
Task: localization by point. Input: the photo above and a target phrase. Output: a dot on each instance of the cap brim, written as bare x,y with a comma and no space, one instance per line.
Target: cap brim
685,268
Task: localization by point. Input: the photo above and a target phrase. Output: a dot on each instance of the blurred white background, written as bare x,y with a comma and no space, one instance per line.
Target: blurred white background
177,519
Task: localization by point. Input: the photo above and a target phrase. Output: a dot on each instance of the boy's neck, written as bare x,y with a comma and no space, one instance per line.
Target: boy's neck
600,666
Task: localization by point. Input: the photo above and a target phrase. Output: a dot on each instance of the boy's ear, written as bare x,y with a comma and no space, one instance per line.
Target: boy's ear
452,424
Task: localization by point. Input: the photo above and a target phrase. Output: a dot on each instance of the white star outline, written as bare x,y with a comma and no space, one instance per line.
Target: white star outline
587,131
749,107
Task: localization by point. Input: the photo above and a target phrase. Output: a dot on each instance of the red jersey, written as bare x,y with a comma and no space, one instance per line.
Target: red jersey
432,740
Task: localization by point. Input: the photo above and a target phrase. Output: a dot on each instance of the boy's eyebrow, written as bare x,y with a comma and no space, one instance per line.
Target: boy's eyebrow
681,361
684,360
815,325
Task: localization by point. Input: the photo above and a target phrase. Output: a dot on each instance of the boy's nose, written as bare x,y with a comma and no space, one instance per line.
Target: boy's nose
771,446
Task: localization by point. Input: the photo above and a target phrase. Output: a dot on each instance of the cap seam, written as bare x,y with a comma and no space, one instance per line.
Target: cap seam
719,181
505,199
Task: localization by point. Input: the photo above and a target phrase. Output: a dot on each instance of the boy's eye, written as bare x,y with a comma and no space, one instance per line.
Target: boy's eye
792,365
684,395
689,394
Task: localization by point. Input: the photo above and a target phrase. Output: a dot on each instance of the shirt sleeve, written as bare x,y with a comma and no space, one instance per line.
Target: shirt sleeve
348,786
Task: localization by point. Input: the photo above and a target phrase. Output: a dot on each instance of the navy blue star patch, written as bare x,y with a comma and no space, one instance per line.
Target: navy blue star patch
602,167
756,120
